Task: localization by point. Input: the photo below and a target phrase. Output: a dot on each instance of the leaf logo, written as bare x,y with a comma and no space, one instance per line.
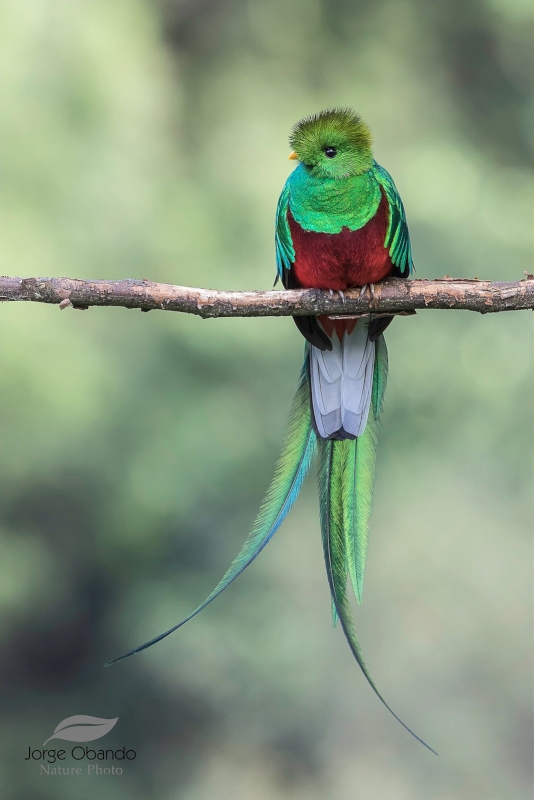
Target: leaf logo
82,728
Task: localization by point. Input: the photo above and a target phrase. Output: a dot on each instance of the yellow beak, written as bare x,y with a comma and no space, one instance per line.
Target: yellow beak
293,156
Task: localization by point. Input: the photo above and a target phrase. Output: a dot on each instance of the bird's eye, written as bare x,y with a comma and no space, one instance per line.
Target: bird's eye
330,152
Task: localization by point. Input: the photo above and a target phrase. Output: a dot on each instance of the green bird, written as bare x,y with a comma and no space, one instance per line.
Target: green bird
340,223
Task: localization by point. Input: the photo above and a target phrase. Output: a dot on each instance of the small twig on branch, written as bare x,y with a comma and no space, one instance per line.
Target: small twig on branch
392,296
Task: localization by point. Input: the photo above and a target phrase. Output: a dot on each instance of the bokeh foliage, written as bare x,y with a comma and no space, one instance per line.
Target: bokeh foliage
149,139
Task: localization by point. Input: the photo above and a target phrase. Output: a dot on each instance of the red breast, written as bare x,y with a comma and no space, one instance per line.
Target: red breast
342,260
339,261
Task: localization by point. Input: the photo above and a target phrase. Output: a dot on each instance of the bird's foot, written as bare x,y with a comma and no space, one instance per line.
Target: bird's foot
331,292
363,290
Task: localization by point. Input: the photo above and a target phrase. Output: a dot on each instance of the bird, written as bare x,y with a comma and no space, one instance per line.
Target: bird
340,224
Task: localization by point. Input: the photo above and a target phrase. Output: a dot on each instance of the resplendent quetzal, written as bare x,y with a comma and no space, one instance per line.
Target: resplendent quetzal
340,223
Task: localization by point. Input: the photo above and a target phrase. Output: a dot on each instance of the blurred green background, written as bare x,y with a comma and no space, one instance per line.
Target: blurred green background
149,140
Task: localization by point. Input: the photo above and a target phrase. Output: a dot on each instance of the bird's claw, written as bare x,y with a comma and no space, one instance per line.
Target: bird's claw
363,290
331,292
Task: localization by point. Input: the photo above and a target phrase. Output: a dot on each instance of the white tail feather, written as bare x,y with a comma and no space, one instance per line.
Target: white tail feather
341,383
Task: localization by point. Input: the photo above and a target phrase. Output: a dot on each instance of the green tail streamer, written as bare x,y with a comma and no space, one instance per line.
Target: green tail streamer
298,451
345,477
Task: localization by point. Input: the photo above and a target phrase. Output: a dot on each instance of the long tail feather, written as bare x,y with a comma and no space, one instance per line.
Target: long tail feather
335,554
297,454
357,474
355,463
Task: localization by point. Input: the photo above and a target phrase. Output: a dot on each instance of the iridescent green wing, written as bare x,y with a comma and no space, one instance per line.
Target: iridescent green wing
397,236
285,258
285,252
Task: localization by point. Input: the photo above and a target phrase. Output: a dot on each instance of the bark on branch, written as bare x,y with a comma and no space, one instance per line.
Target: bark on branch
392,296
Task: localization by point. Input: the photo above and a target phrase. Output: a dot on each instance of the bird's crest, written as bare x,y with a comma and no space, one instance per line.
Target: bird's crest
335,143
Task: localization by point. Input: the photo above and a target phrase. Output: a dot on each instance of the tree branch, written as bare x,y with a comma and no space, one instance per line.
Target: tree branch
392,296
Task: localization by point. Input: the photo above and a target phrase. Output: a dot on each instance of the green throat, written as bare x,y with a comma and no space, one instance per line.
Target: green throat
326,205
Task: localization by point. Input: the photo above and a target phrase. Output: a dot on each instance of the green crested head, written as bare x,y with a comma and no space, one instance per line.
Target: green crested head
335,143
